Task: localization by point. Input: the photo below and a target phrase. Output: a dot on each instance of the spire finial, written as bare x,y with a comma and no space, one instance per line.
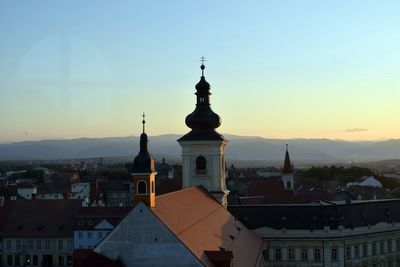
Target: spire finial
143,121
202,67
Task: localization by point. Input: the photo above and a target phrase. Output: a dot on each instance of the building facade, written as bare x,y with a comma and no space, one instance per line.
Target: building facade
350,234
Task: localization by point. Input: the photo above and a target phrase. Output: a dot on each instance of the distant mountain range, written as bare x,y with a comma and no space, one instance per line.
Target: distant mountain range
240,148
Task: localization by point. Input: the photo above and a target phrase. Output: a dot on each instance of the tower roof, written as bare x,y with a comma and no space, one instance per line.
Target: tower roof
203,121
287,166
143,162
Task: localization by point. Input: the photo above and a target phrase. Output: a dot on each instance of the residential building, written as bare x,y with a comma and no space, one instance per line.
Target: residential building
39,233
93,224
361,233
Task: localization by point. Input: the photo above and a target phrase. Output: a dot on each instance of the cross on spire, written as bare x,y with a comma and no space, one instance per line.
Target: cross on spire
143,121
202,67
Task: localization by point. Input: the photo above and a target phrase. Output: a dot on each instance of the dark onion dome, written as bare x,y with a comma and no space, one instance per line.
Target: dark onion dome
203,121
287,166
143,162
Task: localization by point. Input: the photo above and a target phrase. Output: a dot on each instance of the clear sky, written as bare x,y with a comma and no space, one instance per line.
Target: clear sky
281,69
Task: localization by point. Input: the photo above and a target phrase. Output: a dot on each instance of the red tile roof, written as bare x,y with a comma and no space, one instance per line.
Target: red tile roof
202,224
94,259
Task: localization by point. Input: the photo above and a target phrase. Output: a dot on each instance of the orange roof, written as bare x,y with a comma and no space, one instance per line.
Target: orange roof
202,224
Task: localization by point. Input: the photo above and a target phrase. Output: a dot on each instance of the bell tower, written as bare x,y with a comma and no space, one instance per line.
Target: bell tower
203,149
287,172
143,174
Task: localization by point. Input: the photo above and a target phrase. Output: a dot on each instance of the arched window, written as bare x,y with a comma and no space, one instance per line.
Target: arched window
141,187
201,166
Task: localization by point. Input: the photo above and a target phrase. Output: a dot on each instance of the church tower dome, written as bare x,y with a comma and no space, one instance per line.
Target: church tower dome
143,162
203,149
143,175
203,120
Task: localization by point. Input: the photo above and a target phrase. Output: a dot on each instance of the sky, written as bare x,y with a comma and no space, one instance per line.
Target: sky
278,69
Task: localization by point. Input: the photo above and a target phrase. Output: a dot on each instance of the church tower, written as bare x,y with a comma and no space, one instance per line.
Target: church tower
203,149
143,175
287,172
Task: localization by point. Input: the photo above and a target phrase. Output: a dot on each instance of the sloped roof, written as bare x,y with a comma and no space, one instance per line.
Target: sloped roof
44,218
203,224
94,259
316,216
287,165
113,215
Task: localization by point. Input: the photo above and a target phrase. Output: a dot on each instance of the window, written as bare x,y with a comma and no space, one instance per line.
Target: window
317,254
47,244
334,254
35,260
357,251
30,244
80,235
70,244
61,260
69,260
28,259
89,235
39,244
80,222
348,252
373,248
9,259
60,244
8,244
389,246
141,187
201,166
18,244
398,244
382,247
365,251
304,254
291,254
16,260
265,254
90,222
278,254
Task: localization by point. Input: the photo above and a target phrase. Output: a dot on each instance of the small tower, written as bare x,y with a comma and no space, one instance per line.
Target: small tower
203,149
287,172
143,174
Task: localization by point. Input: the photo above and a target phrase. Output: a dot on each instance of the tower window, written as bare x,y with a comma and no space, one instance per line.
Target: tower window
141,188
201,99
201,166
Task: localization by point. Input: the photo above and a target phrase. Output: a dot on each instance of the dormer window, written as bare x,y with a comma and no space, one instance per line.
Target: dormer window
201,166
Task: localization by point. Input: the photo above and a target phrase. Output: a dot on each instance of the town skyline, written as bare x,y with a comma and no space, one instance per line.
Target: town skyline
277,70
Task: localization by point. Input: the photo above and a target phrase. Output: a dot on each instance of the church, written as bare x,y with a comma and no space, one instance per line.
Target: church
188,227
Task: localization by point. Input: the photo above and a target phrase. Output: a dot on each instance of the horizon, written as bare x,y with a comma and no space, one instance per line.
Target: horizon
280,70
181,134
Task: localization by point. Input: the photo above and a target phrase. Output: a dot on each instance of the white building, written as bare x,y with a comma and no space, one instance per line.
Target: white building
93,224
81,191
